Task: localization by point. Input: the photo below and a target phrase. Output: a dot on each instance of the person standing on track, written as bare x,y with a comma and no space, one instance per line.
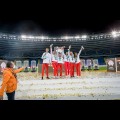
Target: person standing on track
9,81
66,64
54,61
77,62
46,62
72,62
60,59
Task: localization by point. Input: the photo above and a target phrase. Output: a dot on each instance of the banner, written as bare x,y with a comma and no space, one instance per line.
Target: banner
111,64
118,64
2,65
18,64
95,64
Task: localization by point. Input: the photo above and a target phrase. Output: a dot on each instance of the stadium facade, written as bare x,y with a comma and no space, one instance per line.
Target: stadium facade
28,47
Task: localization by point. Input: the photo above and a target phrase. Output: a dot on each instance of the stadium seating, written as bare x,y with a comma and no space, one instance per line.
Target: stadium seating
97,46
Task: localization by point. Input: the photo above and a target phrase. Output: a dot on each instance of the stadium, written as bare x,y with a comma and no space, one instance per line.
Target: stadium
96,81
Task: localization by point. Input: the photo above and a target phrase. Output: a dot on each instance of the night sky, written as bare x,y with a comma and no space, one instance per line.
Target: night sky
59,23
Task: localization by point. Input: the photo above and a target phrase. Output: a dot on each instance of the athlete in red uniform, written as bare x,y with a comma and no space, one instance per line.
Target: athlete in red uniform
77,62
46,61
54,61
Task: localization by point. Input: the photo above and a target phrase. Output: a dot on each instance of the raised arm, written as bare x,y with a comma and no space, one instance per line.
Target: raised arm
51,52
69,50
63,54
82,48
50,60
70,47
57,51
18,70
51,49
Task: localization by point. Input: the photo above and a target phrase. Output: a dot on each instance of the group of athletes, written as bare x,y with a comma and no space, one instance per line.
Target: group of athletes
58,58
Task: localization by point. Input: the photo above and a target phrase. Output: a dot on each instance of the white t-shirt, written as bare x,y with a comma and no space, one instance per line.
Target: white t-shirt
46,57
72,59
60,60
54,58
77,59
66,58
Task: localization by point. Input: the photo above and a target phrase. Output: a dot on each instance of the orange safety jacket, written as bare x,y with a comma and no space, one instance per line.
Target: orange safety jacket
9,81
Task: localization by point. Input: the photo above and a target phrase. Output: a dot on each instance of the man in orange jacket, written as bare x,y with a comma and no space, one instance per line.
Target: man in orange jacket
9,81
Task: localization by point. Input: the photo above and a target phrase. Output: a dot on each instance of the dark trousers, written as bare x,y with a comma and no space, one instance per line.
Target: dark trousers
11,96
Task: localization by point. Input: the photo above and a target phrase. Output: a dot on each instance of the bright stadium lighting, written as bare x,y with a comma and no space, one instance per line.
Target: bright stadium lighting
114,34
84,36
42,37
31,37
23,36
77,37
66,37
38,37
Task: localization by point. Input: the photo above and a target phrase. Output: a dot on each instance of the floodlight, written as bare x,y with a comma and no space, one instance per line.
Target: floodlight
23,36
84,36
114,34
77,37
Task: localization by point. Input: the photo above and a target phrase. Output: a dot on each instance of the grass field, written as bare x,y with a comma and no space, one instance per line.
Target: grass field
103,68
